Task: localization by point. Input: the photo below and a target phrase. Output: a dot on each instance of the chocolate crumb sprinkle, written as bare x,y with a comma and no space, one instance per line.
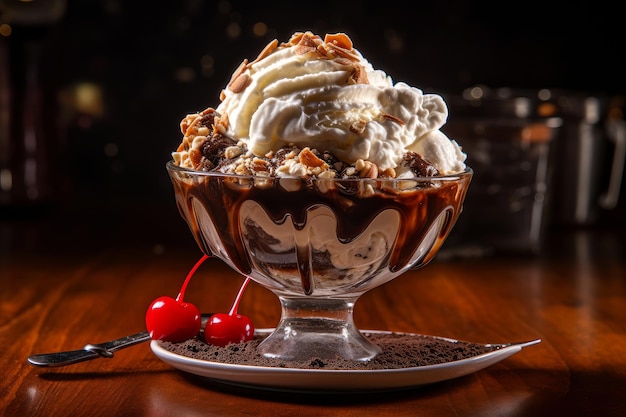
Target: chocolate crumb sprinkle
399,350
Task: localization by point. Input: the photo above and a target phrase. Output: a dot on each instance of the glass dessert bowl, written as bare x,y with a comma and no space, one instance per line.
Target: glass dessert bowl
318,244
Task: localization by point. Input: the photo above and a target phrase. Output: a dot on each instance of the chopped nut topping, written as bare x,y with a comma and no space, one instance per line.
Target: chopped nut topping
198,141
232,152
308,158
269,48
370,170
188,122
195,156
260,164
305,43
393,118
240,69
389,173
342,52
343,61
358,127
221,124
359,75
340,39
240,83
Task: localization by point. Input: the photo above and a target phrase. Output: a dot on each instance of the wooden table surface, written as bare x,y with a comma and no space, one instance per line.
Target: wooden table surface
89,284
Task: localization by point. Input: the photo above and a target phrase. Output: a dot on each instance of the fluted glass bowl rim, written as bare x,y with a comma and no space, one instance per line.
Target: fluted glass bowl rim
170,165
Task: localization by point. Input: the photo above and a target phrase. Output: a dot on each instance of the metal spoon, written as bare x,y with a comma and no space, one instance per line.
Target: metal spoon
89,352
102,350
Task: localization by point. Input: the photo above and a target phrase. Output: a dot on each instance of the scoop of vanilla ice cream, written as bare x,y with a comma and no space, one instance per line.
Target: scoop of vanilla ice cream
442,152
324,94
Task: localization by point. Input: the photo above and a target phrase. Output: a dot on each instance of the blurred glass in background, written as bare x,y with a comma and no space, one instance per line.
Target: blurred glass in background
542,158
28,130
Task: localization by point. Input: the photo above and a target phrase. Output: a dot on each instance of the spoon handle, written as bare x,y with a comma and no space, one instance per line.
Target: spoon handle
89,352
102,350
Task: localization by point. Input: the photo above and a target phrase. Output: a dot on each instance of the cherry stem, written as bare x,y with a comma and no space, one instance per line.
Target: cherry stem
233,310
181,294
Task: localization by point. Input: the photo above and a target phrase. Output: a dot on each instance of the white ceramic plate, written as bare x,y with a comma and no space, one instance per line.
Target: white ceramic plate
336,381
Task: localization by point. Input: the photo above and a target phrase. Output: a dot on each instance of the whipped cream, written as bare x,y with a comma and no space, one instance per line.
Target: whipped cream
323,94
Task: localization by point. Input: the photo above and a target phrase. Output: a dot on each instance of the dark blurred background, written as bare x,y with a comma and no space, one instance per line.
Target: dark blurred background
92,92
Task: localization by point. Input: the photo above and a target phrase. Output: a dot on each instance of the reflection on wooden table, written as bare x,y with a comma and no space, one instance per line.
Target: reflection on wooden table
60,297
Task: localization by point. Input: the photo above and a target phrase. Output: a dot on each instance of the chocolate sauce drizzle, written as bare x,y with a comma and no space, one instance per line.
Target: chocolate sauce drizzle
220,197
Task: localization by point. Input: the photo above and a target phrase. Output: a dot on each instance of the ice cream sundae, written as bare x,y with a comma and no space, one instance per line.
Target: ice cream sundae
320,178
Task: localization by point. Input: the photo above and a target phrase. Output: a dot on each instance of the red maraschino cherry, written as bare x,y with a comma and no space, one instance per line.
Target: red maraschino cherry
222,328
174,320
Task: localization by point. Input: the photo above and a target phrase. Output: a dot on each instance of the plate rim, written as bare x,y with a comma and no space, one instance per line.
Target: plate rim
337,380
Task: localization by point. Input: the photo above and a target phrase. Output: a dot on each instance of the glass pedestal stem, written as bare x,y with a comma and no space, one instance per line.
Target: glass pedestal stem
313,328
